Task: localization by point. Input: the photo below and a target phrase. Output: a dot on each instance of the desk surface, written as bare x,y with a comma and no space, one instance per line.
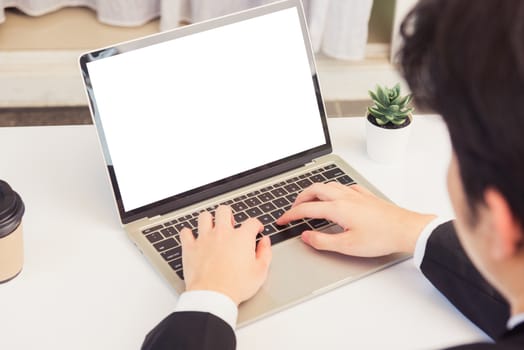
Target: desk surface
85,286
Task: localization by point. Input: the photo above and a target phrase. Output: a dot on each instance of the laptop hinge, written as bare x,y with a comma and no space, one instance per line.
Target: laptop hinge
310,163
154,217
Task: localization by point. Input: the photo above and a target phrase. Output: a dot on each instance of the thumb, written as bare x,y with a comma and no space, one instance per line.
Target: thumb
263,253
323,241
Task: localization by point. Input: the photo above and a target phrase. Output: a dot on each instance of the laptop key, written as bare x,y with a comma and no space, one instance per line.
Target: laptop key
266,219
171,254
266,197
267,188
168,232
345,180
238,199
304,183
279,192
289,233
181,225
194,222
292,188
152,229
166,244
277,213
240,217
266,207
170,223
252,194
330,166
154,237
281,202
281,227
176,264
268,229
317,223
317,178
240,206
254,212
251,202
292,197
180,273
333,173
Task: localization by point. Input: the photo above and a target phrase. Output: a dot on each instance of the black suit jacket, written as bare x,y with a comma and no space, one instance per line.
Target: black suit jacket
191,330
445,264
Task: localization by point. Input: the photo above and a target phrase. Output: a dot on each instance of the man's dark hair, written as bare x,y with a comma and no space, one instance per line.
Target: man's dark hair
464,59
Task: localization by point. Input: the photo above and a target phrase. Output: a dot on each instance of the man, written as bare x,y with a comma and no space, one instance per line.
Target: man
465,60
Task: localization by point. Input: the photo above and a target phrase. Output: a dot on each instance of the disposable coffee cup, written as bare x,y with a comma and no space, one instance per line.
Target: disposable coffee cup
11,244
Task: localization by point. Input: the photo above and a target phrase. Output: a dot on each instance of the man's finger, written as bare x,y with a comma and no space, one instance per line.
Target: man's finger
205,222
252,226
360,189
320,191
223,217
325,241
314,210
264,253
186,237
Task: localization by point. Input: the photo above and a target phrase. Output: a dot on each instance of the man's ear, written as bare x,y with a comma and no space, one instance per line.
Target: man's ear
508,231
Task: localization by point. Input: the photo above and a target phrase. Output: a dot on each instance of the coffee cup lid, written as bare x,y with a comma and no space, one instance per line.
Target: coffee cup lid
11,209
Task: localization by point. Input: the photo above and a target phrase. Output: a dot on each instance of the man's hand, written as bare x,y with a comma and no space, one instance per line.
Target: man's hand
372,226
224,259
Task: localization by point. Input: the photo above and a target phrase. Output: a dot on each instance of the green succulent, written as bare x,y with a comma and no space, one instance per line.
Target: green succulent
389,106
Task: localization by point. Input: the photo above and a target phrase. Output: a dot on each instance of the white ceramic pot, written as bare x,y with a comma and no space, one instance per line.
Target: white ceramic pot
387,145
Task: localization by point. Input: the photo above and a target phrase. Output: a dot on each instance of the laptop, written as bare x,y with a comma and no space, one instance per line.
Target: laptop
226,111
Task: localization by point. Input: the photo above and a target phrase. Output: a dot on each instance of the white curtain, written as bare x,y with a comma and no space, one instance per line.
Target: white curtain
339,28
114,12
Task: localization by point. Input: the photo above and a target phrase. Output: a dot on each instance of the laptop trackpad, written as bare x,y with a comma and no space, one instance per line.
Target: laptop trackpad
299,271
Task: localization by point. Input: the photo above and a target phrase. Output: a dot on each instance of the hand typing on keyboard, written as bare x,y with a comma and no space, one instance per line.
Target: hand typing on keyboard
225,259
372,226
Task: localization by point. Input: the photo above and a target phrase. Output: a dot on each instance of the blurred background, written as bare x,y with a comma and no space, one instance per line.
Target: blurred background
40,41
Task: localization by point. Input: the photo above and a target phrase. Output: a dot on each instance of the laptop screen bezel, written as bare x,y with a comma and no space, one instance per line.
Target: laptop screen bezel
222,186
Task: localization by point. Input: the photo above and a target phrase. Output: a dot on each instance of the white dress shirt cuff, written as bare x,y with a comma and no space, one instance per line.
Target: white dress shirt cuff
514,321
208,301
420,247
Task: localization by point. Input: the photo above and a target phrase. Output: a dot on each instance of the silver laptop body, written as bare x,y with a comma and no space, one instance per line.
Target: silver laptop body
210,113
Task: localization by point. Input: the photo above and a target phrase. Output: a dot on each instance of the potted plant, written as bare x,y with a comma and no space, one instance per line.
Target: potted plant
388,122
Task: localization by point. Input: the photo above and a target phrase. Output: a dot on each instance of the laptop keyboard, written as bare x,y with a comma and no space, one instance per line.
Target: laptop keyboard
266,204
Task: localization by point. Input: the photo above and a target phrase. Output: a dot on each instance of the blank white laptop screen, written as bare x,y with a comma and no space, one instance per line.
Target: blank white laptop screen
197,109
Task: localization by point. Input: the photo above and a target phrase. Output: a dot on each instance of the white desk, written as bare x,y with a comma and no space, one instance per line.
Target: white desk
85,286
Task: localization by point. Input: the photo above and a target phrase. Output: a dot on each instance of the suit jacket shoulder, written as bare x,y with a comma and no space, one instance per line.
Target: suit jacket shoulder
449,269
191,331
